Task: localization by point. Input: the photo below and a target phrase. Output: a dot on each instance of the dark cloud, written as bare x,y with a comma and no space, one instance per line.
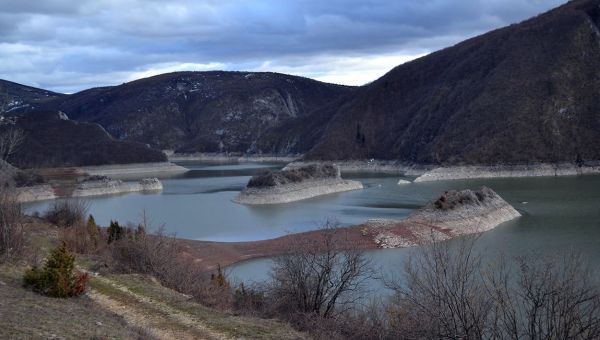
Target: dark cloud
70,45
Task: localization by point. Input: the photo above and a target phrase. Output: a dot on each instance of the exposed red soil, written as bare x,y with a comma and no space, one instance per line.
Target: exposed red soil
361,237
62,180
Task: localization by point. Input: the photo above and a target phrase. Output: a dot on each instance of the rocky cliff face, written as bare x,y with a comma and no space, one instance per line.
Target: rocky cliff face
205,111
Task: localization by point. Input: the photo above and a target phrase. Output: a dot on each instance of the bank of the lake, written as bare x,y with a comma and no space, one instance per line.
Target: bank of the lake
558,213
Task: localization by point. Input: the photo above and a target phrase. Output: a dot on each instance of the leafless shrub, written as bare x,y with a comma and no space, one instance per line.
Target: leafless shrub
139,252
68,213
83,238
11,223
368,321
545,299
442,294
447,294
160,255
317,280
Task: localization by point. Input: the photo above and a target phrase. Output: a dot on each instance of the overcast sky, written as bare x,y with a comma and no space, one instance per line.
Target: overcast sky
70,45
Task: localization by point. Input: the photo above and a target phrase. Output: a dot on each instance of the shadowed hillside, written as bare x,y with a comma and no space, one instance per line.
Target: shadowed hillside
524,93
51,140
203,111
15,97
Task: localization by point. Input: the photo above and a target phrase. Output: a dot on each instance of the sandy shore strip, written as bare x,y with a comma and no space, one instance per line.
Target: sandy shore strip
500,171
137,170
295,191
223,157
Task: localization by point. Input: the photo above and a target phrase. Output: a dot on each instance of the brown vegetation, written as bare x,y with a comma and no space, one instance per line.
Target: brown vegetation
449,294
11,223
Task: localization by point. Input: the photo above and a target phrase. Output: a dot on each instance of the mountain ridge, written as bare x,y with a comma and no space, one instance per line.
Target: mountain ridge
522,94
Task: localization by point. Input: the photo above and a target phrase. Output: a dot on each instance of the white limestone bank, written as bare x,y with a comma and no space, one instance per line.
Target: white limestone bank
224,157
466,211
370,166
136,170
499,171
111,187
452,214
295,191
88,188
283,186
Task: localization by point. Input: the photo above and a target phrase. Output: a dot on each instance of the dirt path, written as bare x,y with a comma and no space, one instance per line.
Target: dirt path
166,314
155,317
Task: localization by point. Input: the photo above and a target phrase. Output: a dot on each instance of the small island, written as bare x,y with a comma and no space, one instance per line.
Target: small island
289,185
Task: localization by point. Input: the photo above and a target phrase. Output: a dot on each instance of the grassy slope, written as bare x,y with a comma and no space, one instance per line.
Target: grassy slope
115,307
27,315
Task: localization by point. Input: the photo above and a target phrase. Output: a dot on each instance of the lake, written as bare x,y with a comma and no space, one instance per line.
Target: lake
559,213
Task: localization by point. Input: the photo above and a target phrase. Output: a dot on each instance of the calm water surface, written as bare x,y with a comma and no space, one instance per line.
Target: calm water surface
559,213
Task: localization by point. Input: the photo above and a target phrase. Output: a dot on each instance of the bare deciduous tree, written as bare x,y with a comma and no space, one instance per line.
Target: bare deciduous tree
441,296
447,294
10,141
11,226
545,299
318,276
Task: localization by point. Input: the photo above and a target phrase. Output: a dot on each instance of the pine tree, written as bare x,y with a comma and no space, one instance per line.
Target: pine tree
93,230
115,232
57,278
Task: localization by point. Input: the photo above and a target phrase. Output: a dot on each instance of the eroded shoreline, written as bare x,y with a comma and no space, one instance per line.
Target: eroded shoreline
87,188
224,157
451,215
295,192
430,173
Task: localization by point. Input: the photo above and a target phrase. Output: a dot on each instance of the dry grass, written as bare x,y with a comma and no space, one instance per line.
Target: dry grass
172,314
27,315
123,306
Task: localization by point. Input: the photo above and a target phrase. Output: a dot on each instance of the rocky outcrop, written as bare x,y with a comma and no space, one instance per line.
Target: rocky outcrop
498,171
466,211
273,187
452,214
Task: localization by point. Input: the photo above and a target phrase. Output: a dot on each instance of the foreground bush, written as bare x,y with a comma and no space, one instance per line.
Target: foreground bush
58,277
